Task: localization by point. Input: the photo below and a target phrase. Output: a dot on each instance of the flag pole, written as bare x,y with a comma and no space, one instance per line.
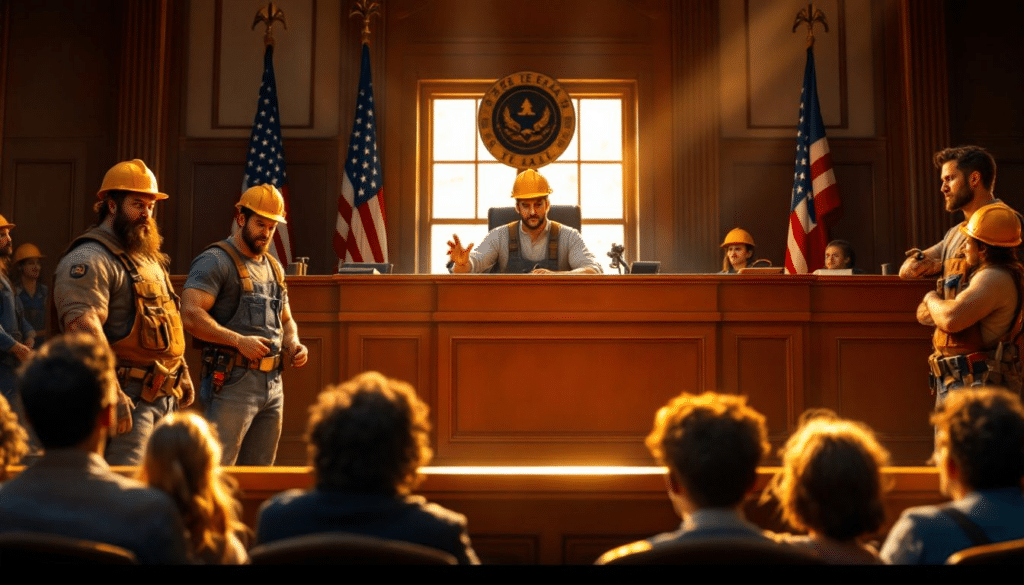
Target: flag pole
815,206
265,162
810,15
360,234
365,9
268,15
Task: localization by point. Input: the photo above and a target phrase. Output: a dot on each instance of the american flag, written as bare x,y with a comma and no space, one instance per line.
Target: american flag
815,205
264,162
360,235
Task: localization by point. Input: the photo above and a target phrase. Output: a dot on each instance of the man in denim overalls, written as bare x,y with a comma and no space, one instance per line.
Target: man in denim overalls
236,302
533,245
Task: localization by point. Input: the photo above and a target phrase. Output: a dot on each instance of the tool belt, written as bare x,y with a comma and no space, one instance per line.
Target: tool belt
157,379
1000,367
266,364
219,361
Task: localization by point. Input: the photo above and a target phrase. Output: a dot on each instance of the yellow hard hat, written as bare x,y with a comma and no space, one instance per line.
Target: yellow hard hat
4,223
264,200
530,184
130,175
26,251
737,236
996,225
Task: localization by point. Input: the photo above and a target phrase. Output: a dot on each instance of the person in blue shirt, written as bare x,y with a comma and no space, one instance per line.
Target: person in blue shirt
979,447
33,294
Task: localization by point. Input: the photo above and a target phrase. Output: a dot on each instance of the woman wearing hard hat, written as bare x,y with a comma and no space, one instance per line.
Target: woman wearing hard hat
28,262
739,251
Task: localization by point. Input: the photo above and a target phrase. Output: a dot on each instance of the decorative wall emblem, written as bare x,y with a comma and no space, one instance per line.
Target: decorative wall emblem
526,120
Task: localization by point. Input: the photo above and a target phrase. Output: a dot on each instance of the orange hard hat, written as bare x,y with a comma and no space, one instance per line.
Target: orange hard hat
530,184
130,175
264,200
996,225
737,236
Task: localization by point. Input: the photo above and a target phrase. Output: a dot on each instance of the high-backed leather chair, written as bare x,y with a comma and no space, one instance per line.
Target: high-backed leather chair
569,215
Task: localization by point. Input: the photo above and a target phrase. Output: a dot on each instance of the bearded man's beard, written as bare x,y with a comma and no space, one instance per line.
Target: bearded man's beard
6,255
141,238
252,241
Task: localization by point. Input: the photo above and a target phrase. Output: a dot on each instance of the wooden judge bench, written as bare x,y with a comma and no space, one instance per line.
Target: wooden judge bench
569,371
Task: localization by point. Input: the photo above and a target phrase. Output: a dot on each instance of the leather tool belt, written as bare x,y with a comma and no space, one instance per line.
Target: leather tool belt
212,356
266,364
959,368
157,380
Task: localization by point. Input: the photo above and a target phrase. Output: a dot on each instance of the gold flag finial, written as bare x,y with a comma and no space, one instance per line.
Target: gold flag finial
268,15
810,15
365,9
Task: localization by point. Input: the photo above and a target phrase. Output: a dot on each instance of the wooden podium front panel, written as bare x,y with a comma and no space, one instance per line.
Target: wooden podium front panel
520,369
765,362
580,393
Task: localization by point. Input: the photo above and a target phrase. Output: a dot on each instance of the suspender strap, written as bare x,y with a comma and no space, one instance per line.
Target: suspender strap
556,228
974,532
1014,334
110,243
243,272
513,238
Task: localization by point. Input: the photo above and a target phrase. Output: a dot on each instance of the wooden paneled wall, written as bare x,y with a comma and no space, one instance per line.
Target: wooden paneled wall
84,86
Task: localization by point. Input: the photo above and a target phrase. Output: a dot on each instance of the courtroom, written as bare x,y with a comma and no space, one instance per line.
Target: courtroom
465,282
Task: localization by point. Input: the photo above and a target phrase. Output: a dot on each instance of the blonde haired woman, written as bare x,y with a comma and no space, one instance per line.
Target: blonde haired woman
183,459
13,439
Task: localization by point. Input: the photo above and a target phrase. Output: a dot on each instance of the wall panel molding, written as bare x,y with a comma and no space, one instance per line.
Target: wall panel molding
696,99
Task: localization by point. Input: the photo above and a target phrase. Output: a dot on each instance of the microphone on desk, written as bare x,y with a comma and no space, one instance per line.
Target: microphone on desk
618,262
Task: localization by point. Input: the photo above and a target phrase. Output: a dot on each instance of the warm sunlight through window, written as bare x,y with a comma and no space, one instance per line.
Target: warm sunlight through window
460,180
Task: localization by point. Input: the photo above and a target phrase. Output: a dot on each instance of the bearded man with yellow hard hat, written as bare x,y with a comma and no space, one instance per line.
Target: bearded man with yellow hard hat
236,303
533,245
112,283
978,331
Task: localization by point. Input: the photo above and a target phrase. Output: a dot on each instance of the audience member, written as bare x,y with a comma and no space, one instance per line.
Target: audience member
33,294
183,460
69,390
367,438
712,445
830,485
13,438
979,451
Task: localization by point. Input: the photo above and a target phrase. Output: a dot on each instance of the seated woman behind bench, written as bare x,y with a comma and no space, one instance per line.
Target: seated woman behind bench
739,251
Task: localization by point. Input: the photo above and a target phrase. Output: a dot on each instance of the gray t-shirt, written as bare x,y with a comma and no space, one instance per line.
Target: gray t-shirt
214,273
90,277
572,251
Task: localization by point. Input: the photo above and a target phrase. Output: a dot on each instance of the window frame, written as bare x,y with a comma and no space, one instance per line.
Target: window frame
429,90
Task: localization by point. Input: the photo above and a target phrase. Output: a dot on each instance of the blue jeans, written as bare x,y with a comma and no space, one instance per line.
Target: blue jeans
247,413
129,448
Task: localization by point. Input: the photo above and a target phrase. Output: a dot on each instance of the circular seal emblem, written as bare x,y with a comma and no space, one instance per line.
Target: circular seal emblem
526,120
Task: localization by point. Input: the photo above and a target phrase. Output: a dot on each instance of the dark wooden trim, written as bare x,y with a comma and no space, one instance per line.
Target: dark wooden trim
215,82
